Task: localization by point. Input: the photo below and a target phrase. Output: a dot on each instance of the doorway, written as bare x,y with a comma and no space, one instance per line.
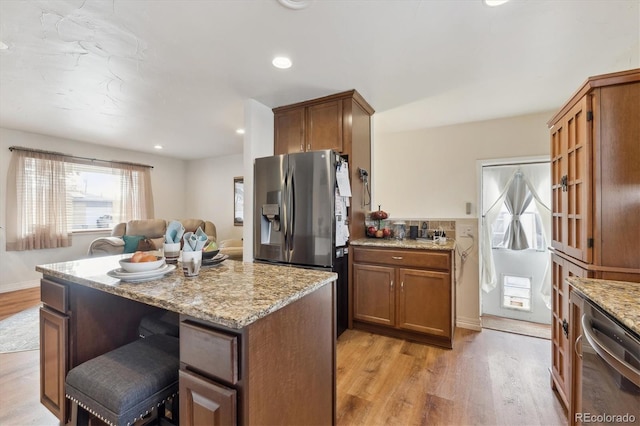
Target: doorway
515,217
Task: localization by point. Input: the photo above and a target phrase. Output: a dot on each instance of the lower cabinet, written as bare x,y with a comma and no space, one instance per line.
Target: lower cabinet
53,361
404,293
575,335
204,402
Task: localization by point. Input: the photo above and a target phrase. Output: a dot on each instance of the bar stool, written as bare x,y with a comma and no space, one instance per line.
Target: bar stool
124,385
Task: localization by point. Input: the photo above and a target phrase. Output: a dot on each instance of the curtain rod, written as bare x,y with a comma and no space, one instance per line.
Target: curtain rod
20,148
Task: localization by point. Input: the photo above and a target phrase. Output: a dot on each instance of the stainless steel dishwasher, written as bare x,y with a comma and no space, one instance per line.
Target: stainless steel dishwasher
610,370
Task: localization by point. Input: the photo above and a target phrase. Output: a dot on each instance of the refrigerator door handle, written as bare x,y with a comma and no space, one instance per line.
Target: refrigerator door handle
292,209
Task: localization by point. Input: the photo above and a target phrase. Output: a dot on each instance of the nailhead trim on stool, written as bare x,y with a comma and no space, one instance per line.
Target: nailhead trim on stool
125,384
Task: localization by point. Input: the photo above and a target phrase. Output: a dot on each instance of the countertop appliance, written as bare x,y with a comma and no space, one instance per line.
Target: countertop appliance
295,216
610,370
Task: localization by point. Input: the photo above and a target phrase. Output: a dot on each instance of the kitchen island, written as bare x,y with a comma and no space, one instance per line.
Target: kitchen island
257,341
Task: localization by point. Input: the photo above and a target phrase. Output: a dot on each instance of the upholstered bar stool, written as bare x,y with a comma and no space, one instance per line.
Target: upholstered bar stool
124,385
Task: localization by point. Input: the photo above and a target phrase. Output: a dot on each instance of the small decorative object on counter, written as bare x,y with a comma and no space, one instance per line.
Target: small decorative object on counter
377,227
399,230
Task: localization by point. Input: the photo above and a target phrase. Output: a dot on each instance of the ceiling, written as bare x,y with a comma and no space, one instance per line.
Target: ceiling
131,74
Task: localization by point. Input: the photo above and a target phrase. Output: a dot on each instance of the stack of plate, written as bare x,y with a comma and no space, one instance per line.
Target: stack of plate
216,260
137,277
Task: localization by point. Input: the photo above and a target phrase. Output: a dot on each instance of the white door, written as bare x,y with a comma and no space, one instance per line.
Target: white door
519,284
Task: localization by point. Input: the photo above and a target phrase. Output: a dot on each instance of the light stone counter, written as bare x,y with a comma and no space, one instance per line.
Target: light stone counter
419,244
620,299
232,294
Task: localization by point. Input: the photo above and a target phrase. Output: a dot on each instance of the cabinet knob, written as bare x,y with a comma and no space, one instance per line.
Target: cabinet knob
391,283
565,328
402,286
396,257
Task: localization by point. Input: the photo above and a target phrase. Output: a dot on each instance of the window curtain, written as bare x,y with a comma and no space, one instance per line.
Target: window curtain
37,208
136,196
517,199
537,181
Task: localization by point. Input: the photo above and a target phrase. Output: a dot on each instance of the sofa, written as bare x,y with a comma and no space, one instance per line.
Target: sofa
125,237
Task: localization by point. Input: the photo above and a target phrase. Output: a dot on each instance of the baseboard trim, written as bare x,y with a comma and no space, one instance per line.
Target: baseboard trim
469,323
6,288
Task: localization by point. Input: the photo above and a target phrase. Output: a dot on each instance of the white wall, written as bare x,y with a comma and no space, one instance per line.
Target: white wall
431,173
209,192
17,269
258,142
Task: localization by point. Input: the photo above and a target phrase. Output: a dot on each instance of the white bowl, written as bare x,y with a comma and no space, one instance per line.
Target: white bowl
130,266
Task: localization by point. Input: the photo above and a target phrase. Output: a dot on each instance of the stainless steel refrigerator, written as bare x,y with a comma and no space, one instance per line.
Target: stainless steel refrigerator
295,216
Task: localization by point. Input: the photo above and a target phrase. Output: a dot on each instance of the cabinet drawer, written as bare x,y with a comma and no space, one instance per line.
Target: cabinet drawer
209,351
427,259
54,295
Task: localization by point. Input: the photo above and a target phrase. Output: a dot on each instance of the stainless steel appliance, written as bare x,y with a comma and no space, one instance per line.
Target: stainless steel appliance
295,216
610,370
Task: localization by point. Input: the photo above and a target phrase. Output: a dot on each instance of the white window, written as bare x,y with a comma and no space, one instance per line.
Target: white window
93,191
516,292
531,223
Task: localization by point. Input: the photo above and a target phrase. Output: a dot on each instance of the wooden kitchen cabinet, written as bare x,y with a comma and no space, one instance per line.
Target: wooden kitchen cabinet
404,293
204,402
575,336
323,123
594,165
341,122
54,349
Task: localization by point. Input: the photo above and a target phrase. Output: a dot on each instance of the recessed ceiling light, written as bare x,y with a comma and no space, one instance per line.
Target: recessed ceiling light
240,131
281,62
157,146
295,4
495,2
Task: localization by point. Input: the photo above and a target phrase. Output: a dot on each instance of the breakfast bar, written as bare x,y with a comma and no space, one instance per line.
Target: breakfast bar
257,342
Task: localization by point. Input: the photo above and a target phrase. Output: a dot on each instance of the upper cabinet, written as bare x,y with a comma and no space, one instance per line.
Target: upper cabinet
595,175
331,122
341,122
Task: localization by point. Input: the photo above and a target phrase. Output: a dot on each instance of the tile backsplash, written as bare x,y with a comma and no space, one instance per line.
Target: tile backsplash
426,227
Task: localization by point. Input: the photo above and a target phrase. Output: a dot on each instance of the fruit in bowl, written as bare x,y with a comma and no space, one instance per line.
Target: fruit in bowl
142,262
210,250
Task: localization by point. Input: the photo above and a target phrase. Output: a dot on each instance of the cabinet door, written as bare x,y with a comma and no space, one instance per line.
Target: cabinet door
373,294
53,362
561,324
575,335
289,129
324,126
204,402
424,302
571,205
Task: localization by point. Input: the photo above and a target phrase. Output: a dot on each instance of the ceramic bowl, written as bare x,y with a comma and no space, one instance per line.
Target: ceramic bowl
130,266
209,254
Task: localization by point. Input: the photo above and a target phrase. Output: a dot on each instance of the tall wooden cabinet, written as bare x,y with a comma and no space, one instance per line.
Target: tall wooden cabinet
341,122
595,184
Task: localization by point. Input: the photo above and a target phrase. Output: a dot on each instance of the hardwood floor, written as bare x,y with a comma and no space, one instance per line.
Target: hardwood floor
489,378
15,301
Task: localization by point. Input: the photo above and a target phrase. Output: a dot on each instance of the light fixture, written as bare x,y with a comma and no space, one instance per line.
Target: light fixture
157,147
295,4
3,46
495,2
281,62
240,131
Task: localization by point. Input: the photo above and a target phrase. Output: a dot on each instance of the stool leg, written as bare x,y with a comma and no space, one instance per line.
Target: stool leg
79,416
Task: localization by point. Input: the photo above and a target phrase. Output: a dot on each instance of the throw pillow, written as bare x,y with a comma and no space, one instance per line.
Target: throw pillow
146,244
131,242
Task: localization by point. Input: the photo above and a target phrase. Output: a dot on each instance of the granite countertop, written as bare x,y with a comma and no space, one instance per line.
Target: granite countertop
232,294
420,244
620,299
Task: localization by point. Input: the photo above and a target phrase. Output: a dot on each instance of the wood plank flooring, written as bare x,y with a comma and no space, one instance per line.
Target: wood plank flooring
489,378
15,301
